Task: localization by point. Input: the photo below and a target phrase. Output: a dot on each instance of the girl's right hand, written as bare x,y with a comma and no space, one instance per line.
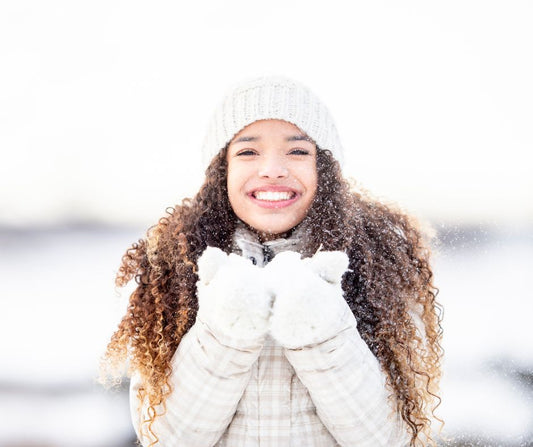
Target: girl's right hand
234,298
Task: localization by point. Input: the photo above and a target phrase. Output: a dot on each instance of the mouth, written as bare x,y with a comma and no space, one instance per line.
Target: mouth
274,198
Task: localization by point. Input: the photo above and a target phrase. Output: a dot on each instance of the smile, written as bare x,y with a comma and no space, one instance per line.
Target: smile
274,196
272,199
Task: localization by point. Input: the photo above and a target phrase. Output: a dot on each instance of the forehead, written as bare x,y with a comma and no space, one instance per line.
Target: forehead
269,128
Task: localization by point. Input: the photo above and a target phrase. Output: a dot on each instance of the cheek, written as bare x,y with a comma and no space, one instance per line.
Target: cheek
314,180
235,184
231,189
309,177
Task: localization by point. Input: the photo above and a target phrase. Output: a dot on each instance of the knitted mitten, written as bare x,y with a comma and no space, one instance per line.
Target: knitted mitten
309,307
233,297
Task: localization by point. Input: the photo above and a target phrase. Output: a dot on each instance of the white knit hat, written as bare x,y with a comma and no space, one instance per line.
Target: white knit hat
272,97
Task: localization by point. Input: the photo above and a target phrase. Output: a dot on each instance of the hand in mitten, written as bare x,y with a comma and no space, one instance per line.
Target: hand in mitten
233,297
309,306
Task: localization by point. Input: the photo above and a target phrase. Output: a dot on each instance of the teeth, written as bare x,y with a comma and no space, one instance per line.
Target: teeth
272,196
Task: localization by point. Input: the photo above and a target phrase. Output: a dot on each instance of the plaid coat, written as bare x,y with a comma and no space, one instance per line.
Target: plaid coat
325,395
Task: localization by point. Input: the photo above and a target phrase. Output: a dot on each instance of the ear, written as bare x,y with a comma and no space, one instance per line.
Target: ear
209,263
329,265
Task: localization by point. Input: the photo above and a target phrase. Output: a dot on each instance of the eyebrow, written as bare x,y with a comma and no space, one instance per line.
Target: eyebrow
299,138
291,138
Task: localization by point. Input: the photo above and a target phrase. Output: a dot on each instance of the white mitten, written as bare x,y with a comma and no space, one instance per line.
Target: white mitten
309,306
233,297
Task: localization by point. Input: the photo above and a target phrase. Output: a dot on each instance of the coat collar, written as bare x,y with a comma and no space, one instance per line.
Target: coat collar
246,243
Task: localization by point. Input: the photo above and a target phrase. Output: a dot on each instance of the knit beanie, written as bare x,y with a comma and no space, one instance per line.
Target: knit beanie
271,97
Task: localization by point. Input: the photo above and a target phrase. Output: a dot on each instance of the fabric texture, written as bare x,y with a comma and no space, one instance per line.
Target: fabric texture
327,394
309,306
233,297
271,97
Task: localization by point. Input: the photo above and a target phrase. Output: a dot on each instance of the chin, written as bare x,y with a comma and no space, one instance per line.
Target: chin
272,232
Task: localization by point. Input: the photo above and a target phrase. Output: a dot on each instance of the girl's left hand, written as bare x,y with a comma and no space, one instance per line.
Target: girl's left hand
309,306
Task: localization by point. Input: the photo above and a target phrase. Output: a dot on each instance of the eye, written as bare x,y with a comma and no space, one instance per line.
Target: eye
246,153
299,151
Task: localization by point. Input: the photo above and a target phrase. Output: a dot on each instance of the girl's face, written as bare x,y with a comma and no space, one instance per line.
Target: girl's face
272,178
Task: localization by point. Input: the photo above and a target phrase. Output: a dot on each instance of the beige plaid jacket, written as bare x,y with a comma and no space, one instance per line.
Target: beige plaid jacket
330,394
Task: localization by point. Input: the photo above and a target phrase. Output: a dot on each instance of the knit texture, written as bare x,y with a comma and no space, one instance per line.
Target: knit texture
272,97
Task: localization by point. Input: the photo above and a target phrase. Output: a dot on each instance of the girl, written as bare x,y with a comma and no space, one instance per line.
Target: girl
278,306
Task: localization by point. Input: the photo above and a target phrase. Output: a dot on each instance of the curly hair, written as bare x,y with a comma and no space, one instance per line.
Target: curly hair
388,287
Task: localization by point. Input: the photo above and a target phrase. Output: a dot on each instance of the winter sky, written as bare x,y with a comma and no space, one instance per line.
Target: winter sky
103,104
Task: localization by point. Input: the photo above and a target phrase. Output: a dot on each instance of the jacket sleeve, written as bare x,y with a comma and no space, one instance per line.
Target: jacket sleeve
347,386
207,381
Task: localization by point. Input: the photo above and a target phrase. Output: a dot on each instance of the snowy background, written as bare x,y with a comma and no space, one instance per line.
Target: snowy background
103,107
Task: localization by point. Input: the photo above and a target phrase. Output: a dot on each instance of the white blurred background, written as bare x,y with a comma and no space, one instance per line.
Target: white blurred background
103,107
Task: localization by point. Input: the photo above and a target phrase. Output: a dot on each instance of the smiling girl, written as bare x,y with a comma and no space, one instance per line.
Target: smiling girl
272,176
279,307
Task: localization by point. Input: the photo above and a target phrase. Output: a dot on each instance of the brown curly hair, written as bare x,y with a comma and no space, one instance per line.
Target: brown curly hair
388,287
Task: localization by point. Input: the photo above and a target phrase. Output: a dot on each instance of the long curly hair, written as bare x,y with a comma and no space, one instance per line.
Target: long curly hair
389,287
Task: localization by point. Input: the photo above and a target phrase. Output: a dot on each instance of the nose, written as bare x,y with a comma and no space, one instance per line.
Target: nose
273,166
